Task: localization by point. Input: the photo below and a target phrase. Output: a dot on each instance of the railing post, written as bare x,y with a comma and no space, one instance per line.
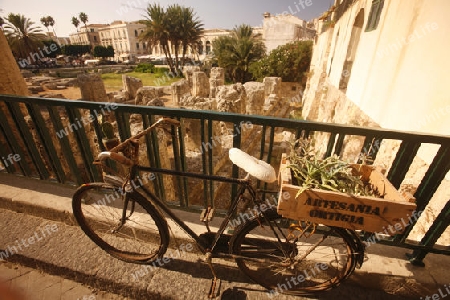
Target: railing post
431,236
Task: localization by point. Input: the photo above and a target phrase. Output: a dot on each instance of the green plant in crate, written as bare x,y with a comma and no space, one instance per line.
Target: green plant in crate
331,173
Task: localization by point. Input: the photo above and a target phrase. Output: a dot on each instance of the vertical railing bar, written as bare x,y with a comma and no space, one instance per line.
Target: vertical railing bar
64,142
83,144
339,144
204,158
181,135
47,142
150,154
13,145
368,141
177,163
10,167
210,161
436,172
330,145
262,149
123,134
432,235
235,169
402,162
27,139
155,146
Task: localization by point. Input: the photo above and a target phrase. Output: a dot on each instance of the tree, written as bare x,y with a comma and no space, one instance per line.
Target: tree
110,51
237,52
103,52
48,21
75,50
22,35
44,21
157,31
51,22
188,30
84,19
176,27
290,62
75,22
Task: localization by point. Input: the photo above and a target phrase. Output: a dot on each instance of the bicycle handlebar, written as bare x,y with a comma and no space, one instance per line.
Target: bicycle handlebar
113,153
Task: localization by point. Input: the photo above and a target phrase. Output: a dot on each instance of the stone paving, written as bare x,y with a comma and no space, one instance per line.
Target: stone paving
31,284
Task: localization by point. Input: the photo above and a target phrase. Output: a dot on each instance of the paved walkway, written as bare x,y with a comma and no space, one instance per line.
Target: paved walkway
22,283
40,214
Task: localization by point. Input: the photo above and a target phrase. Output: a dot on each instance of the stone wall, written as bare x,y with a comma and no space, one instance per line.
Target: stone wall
323,101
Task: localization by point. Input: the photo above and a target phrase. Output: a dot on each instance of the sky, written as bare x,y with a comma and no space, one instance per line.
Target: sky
214,14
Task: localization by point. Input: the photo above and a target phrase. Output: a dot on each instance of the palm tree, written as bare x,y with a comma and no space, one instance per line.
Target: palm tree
157,31
23,36
51,22
235,53
75,22
189,30
44,21
178,25
84,19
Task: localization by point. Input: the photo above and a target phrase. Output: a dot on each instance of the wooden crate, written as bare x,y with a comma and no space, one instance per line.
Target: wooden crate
390,214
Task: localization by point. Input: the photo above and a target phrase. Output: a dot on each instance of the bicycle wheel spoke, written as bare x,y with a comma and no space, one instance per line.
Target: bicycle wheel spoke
141,237
271,255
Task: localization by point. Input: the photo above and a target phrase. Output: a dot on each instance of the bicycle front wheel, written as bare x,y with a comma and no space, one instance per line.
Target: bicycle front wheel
127,227
290,257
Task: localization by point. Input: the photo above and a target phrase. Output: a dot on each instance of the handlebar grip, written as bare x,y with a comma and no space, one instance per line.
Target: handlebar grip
117,157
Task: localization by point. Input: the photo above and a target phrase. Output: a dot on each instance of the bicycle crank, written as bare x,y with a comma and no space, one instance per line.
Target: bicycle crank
214,290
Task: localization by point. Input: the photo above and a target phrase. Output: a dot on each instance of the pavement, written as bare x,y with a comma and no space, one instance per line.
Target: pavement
58,261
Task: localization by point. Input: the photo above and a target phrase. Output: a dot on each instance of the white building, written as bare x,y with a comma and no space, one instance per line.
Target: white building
124,38
285,28
87,35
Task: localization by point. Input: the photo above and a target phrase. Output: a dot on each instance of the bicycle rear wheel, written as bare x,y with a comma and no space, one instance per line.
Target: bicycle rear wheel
288,257
141,237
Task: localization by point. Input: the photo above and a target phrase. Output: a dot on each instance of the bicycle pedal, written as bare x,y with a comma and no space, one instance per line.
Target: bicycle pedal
207,215
214,291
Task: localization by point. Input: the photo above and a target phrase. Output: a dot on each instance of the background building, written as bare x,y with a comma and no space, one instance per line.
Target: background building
87,35
285,28
124,38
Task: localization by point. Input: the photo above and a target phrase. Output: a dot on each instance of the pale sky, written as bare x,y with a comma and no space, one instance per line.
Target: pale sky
223,14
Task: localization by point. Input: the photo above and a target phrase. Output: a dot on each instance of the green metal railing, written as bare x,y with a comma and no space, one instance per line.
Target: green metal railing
35,130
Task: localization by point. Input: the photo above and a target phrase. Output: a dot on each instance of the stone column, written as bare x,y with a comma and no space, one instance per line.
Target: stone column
131,86
92,88
180,89
188,71
217,78
272,85
255,97
200,84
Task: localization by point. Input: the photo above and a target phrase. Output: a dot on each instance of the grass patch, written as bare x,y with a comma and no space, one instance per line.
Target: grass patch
114,81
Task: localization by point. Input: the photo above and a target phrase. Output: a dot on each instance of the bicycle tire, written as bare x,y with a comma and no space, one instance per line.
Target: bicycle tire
275,263
142,239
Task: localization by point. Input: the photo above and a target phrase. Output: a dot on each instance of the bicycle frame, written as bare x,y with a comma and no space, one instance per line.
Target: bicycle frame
243,184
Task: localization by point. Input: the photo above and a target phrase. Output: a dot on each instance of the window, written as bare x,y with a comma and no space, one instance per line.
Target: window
95,38
374,15
137,46
135,33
